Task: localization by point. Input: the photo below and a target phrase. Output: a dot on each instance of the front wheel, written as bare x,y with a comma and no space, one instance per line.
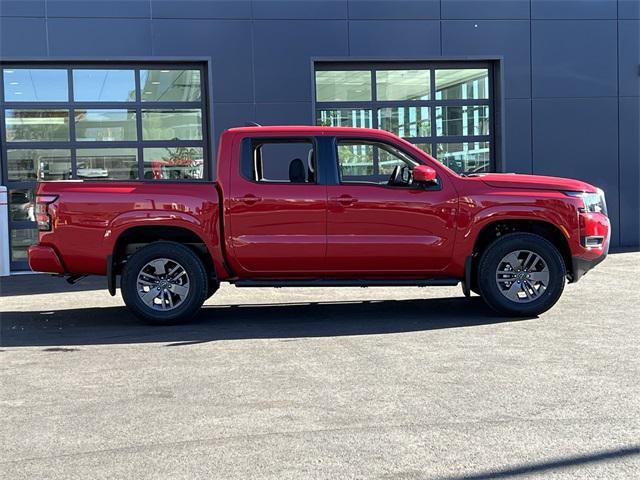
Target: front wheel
164,283
521,274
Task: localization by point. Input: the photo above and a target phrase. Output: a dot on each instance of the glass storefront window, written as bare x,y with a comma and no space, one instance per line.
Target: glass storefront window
21,205
38,164
21,240
36,85
107,163
104,85
172,124
467,157
338,86
173,163
464,120
405,121
403,84
357,118
462,84
99,125
425,147
170,85
37,125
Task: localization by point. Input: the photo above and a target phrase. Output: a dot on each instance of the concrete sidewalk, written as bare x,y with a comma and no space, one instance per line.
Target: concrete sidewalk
393,383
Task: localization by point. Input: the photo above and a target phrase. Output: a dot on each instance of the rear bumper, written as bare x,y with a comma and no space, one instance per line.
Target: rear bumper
44,259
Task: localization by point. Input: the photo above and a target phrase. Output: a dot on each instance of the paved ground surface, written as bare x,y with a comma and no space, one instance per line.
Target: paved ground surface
337,383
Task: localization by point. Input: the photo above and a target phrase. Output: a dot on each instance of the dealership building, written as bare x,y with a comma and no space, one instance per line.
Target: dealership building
142,89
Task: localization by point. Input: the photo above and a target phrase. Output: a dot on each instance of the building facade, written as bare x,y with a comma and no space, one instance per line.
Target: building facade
142,89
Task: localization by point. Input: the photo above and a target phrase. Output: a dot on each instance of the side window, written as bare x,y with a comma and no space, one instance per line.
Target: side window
362,161
280,161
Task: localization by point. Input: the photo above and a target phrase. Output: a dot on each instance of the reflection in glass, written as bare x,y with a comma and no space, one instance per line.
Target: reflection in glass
37,125
344,117
462,84
38,164
339,86
21,205
425,147
405,121
355,160
106,125
36,85
21,240
104,85
107,163
173,163
402,84
172,124
170,85
462,120
467,157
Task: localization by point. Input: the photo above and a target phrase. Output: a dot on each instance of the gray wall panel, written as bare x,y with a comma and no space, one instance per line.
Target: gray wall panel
99,8
22,8
630,171
283,51
227,42
629,9
100,37
574,58
296,113
485,9
316,9
517,133
573,9
504,38
394,38
629,57
578,138
390,9
228,115
14,42
201,8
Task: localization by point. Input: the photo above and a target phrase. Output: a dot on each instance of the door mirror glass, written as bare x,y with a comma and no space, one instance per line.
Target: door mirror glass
424,174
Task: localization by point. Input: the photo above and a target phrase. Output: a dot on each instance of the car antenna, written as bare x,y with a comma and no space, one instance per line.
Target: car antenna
252,124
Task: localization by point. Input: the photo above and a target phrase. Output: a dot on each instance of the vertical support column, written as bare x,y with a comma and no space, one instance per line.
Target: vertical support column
5,258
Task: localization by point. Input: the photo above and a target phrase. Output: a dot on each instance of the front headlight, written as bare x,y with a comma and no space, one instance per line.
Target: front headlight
593,202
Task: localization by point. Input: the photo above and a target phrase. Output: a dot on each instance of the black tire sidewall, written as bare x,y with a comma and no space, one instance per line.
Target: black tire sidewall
197,278
496,252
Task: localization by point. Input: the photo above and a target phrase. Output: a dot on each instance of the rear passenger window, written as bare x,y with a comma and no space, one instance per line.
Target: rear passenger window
280,161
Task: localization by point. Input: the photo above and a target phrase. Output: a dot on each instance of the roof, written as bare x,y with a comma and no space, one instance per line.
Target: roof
311,129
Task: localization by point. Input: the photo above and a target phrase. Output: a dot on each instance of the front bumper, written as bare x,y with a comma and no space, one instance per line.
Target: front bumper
44,259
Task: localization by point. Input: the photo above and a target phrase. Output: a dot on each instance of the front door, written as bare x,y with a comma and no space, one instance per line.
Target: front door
277,210
376,226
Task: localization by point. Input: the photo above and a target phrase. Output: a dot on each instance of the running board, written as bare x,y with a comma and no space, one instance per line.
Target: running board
431,282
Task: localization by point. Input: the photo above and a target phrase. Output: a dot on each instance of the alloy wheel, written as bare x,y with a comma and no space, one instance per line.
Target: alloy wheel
163,284
522,276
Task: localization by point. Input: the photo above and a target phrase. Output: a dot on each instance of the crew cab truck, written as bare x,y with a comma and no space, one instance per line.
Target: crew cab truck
323,206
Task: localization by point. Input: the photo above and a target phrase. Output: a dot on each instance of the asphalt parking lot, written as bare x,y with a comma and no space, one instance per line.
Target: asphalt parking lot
389,383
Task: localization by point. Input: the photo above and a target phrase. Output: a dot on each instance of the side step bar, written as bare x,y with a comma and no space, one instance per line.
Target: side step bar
430,282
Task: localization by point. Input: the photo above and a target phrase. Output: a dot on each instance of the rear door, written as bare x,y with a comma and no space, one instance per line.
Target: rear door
277,209
378,228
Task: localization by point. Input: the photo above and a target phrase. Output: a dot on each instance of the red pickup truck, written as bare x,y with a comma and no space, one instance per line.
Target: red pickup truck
323,206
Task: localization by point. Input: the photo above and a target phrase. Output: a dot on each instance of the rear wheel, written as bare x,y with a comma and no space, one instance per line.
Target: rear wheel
521,274
164,283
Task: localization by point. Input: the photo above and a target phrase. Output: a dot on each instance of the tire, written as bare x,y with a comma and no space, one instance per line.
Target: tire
514,282
174,273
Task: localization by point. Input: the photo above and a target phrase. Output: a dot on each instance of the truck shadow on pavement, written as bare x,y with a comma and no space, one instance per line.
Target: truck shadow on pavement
115,325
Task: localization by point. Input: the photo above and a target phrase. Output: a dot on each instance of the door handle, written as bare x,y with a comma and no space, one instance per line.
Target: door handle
249,199
346,200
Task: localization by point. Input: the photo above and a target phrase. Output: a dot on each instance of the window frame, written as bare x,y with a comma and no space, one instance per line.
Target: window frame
71,105
493,101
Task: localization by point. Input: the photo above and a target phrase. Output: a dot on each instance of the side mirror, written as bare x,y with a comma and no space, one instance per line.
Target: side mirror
424,174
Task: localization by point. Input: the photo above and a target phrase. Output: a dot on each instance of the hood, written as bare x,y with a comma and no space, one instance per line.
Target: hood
534,182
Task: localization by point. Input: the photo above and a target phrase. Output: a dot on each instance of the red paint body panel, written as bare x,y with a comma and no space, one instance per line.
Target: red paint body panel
329,230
